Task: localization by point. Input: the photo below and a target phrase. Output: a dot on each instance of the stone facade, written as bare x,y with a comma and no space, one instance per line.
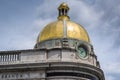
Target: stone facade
49,64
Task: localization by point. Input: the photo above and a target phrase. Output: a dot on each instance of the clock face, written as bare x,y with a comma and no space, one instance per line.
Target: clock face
82,52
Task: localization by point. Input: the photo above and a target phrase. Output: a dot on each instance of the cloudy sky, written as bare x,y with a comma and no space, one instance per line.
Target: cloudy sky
22,20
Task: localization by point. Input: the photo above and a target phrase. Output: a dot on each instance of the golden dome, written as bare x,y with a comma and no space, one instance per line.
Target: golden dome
56,30
63,28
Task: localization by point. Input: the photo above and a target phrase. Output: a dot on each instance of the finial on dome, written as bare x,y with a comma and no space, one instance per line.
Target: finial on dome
63,11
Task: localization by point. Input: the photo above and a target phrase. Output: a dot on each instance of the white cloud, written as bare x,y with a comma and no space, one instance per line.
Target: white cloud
110,78
40,23
86,14
112,67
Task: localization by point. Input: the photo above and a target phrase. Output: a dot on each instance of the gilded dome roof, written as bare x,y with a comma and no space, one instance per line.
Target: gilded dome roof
56,30
63,28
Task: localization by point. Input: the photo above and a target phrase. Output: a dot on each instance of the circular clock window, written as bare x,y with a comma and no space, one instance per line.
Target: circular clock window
82,52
